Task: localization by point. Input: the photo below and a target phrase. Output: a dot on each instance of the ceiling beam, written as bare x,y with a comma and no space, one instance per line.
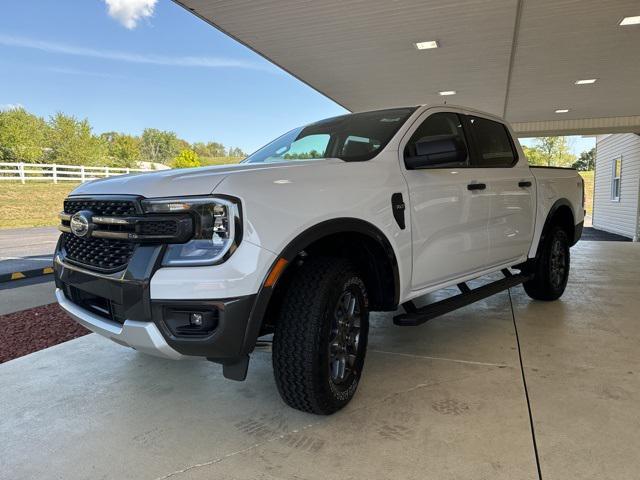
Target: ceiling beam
579,126
512,57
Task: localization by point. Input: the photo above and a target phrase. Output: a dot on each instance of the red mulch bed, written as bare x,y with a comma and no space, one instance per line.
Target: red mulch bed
31,330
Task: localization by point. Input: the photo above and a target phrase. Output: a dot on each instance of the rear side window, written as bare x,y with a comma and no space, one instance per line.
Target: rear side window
493,143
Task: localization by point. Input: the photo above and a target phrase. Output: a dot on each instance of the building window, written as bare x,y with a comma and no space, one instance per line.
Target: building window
616,175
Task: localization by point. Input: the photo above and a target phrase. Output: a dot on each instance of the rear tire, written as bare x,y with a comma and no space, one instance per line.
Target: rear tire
320,341
551,269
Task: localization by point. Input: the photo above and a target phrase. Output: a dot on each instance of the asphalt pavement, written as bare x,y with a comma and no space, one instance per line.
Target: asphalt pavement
24,249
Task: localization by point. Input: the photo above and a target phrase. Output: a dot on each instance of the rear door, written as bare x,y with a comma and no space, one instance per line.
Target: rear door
511,187
448,218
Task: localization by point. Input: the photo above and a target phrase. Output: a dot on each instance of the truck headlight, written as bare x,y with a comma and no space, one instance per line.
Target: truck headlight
217,229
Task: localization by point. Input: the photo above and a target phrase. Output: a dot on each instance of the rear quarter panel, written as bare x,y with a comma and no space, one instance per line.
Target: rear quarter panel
553,184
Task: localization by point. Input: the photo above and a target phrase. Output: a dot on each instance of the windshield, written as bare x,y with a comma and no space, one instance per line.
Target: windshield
354,137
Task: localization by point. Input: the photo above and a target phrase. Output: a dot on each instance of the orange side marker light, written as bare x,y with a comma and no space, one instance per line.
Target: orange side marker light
275,272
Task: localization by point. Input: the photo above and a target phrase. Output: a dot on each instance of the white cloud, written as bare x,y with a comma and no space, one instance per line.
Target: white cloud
130,12
10,106
187,61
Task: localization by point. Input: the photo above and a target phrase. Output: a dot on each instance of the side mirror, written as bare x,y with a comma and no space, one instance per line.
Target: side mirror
436,152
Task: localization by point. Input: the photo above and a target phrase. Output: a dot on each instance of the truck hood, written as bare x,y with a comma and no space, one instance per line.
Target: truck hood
180,182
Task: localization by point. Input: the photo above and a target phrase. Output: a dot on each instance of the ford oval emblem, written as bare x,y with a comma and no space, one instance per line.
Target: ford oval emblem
80,223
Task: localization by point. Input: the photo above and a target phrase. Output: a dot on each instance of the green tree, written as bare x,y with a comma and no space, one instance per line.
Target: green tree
554,151
187,158
71,142
123,150
587,161
236,152
534,156
158,146
22,136
210,149
303,155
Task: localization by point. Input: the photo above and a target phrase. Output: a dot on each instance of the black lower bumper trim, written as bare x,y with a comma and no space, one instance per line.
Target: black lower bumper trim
128,292
126,296
225,342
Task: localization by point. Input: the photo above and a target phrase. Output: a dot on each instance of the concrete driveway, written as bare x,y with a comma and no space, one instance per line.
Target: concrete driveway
445,401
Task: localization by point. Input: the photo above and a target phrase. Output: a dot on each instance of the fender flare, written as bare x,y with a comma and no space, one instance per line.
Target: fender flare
561,202
302,241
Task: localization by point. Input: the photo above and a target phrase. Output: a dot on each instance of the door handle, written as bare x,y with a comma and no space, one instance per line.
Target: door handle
476,186
524,184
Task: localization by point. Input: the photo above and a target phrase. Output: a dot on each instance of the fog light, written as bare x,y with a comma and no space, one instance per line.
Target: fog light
196,319
186,323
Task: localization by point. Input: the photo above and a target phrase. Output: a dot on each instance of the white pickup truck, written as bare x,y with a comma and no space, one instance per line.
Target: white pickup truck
358,213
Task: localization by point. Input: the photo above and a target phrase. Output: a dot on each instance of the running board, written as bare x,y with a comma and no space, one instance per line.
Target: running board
417,316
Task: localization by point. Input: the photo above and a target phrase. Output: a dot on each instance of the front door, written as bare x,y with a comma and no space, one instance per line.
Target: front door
449,209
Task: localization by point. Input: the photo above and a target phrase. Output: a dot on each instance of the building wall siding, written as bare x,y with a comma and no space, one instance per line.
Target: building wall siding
617,217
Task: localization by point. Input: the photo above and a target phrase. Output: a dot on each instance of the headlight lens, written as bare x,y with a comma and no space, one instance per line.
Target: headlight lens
216,232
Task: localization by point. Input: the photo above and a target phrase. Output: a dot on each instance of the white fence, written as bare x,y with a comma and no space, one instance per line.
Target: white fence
59,173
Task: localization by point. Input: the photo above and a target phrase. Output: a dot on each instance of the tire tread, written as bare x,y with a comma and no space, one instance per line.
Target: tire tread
298,335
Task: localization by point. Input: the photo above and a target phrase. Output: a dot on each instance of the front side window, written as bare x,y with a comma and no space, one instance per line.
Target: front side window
352,138
440,136
616,177
494,146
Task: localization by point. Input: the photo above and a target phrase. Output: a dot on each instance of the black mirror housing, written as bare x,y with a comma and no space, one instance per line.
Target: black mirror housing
437,152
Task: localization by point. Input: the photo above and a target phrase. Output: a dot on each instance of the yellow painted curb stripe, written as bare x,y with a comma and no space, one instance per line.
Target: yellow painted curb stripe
17,276
47,270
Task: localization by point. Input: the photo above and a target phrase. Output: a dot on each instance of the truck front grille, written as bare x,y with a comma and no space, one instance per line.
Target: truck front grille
117,225
163,228
108,208
98,253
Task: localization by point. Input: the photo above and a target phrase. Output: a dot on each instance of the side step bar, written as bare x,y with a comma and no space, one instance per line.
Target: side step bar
417,316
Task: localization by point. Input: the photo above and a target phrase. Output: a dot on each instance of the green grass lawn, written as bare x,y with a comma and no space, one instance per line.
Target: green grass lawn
34,204
37,204
209,161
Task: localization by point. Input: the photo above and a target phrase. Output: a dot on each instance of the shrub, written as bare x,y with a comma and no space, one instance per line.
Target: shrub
187,158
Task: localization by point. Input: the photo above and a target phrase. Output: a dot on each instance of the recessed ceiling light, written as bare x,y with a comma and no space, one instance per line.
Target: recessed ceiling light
427,45
447,92
630,21
586,81
562,110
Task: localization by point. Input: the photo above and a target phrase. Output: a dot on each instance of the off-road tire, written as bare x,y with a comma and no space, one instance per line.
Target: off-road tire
302,361
547,282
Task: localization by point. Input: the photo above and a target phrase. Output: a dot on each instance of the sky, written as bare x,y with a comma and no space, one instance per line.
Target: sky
131,64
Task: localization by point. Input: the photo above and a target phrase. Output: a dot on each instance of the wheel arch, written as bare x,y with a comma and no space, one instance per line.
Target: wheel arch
560,213
375,257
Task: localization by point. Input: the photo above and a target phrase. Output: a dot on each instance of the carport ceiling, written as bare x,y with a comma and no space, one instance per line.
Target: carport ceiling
516,58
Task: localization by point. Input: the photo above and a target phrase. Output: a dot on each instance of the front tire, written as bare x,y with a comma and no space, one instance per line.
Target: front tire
321,333
551,270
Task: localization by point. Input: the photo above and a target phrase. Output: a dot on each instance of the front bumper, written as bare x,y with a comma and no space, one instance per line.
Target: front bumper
143,336
119,306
